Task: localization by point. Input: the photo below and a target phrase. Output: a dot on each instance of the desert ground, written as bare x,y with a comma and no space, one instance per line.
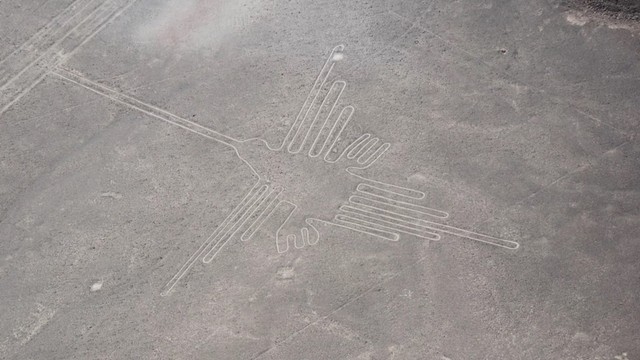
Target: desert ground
297,180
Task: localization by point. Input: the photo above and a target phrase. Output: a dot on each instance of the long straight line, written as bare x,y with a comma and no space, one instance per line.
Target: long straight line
205,245
351,300
246,214
41,61
392,222
53,46
47,30
143,107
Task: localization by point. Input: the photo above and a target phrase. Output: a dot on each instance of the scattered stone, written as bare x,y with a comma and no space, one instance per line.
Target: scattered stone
96,286
285,273
113,195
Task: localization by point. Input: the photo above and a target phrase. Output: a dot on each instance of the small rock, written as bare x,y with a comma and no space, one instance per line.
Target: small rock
407,293
417,179
285,273
581,336
96,286
112,195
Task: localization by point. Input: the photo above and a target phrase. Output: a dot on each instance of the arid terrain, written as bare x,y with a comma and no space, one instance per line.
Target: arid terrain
289,180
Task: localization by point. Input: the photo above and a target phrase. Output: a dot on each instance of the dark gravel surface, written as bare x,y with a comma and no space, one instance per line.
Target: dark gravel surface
624,9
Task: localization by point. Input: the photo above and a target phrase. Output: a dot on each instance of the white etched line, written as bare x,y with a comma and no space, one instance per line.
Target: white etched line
365,149
98,15
32,44
313,94
110,19
441,228
227,233
22,93
103,12
211,254
471,235
309,222
283,246
401,209
305,238
324,130
375,155
266,213
47,52
251,215
336,131
196,255
373,221
367,227
240,218
391,222
152,111
389,214
336,84
351,146
148,109
362,149
37,45
31,74
258,212
299,125
385,235
364,189
389,188
357,145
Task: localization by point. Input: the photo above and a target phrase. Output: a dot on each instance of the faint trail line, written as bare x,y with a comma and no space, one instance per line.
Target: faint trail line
36,57
389,44
42,178
507,76
569,174
26,52
345,304
29,328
